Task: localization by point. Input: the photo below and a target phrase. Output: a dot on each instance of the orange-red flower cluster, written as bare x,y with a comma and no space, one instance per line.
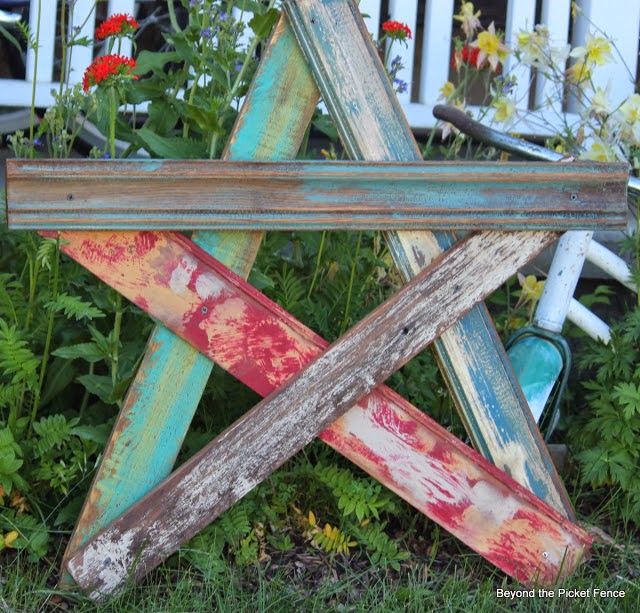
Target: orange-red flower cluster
396,29
468,55
106,66
119,24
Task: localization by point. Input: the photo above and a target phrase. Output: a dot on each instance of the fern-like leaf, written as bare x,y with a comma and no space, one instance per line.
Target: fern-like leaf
74,307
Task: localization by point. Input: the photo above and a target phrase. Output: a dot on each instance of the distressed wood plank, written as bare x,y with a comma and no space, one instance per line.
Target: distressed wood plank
179,195
161,401
264,347
372,126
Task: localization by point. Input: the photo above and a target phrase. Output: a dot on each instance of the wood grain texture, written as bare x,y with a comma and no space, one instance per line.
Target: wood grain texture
372,126
264,347
188,195
163,397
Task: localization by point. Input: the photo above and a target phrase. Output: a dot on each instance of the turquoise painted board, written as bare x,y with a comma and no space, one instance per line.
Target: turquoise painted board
189,195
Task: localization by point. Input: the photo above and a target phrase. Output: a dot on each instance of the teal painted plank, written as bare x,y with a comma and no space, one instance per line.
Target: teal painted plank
161,402
178,195
372,126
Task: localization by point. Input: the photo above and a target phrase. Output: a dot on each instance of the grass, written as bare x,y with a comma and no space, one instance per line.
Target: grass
306,580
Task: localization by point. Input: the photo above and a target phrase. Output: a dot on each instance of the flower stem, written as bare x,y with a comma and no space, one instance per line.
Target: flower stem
352,276
32,117
63,46
113,109
172,16
115,349
317,269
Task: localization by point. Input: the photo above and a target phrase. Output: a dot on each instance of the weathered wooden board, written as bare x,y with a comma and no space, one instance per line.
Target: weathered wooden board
264,347
197,194
372,126
160,403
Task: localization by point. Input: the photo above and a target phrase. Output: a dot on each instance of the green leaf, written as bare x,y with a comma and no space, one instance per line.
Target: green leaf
84,41
74,307
628,395
59,375
97,434
98,385
11,38
263,24
162,117
154,61
89,352
172,148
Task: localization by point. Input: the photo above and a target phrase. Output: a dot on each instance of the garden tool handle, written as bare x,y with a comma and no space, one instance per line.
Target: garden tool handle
511,144
489,136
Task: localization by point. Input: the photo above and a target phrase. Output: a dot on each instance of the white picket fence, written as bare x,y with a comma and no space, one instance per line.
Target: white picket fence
425,71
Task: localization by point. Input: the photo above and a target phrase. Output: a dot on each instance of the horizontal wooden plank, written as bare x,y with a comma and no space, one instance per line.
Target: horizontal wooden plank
372,126
263,346
179,195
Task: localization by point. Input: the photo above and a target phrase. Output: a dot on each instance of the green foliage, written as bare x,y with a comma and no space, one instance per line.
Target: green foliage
360,505
362,497
607,437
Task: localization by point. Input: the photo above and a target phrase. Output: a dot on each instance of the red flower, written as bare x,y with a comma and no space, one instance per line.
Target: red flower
467,55
119,24
396,30
106,66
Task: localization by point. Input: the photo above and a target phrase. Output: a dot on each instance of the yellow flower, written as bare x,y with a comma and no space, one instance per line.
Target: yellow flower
312,518
531,289
629,117
579,73
10,537
491,47
630,109
534,46
597,50
19,502
599,152
505,109
600,104
447,90
468,18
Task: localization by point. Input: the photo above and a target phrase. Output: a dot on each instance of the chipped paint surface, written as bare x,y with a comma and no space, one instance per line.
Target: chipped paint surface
167,388
388,438
351,444
224,194
372,126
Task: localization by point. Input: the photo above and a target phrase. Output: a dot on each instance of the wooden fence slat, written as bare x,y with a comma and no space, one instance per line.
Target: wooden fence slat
160,403
436,49
82,19
372,126
265,348
619,20
520,16
132,195
46,43
555,15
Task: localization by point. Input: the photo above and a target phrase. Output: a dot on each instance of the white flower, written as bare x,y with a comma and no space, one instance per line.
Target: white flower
600,104
599,152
